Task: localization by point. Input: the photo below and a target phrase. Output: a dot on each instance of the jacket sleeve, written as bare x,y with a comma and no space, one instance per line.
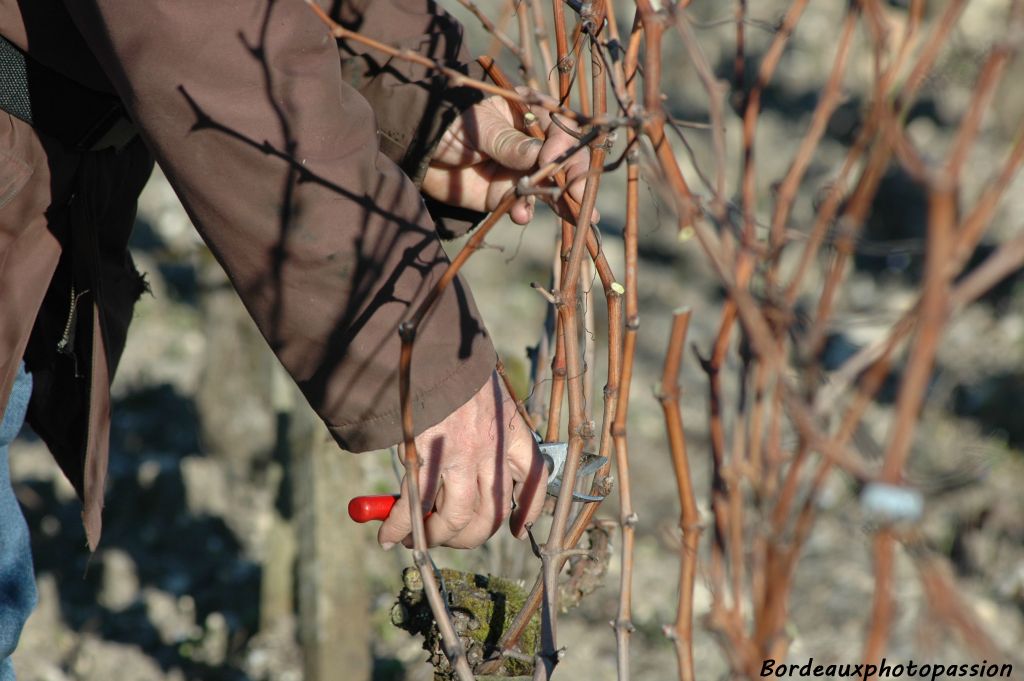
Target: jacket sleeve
413,104
276,160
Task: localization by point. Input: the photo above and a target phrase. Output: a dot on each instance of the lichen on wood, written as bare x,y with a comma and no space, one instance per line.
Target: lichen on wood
482,607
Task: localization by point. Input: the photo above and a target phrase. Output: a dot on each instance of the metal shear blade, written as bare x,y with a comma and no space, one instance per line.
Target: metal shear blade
555,455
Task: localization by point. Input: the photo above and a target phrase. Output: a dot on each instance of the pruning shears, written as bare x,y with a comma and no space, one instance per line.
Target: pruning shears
378,507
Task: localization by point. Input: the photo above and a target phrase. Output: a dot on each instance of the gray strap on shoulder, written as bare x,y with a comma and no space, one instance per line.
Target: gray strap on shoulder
14,97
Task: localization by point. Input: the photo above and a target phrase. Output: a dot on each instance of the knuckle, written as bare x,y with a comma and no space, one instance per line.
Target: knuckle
465,542
504,140
458,520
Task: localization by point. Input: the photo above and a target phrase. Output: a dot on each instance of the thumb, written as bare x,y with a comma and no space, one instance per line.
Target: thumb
507,146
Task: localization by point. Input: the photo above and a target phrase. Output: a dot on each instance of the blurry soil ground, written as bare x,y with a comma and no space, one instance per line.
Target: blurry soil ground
173,592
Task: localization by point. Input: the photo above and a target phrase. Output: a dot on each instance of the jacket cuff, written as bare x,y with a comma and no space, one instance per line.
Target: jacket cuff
430,406
452,222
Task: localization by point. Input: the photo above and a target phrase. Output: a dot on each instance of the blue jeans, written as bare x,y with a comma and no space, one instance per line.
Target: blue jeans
17,582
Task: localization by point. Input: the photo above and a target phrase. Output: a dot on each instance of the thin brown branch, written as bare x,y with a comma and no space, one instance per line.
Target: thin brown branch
623,623
881,605
689,520
1003,262
826,106
739,61
540,33
933,315
944,601
751,111
601,485
654,126
507,10
408,330
567,314
931,320
529,66
562,62
494,31
589,342
455,77
421,553
716,91
990,76
973,227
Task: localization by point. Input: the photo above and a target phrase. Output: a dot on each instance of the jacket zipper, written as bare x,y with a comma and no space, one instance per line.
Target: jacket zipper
66,344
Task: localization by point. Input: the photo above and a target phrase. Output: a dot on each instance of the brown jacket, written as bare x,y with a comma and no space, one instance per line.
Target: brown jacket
294,183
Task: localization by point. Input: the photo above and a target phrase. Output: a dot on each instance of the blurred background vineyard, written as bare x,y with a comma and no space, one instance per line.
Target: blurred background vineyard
225,514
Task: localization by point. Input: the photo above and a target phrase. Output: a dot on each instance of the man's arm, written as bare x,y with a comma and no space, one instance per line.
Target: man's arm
277,164
326,240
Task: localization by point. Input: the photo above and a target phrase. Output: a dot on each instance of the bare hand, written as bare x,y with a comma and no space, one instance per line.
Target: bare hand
482,155
474,463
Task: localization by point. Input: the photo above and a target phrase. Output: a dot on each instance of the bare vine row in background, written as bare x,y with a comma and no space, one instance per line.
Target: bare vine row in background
608,79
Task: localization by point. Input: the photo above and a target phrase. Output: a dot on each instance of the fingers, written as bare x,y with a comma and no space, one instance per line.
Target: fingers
398,525
510,147
530,476
500,181
558,142
479,187
499,138
493,497
457,504
561,137
472,505
518,472
522,210
475,462
482,155
503,181
486,132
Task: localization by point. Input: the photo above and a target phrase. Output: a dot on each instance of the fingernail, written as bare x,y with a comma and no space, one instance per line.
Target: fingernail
388,545
531,146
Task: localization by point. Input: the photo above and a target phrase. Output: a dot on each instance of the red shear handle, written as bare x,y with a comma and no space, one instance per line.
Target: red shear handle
373,507
367,508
